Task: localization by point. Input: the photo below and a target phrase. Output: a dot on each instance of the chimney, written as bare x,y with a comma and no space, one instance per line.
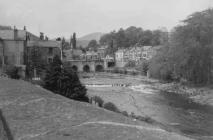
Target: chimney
41,36
15,33
25,28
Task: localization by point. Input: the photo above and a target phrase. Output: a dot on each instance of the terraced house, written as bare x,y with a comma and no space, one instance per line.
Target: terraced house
136,53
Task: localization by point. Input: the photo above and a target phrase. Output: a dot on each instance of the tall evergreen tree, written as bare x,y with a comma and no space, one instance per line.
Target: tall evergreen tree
74,41
64,82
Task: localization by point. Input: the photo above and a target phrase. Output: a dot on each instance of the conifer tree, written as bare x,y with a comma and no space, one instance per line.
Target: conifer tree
64,82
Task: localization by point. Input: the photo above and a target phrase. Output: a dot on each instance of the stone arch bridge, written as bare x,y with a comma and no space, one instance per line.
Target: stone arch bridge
88,65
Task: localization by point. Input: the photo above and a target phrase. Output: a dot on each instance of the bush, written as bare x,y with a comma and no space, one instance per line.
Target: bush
110,106
143,67
130,64
98,100
125,113
115,70
12,71
145,119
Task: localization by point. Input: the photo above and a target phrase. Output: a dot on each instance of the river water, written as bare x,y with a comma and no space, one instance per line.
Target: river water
172,110
182,113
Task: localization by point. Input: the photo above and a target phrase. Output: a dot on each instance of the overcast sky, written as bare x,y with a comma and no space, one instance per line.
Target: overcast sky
63,17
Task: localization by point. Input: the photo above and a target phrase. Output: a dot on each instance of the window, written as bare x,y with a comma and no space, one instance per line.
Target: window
49,60
50,51
6,60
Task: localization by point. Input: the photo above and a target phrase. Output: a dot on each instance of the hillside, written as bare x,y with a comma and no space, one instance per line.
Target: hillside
84,40
92,36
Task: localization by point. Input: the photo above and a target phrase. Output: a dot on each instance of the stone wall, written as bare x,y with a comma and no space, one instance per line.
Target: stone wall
13,51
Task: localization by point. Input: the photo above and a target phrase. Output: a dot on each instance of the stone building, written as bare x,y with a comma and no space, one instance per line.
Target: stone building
12,48
15,48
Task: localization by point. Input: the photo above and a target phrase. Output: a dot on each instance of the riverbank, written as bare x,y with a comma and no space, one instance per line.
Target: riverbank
202,95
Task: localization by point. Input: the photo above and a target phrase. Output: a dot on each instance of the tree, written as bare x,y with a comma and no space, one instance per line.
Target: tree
160,66
58,39
53,75
12,71
191,51
74,41
143,66
93,45
133,35
64,82
35,64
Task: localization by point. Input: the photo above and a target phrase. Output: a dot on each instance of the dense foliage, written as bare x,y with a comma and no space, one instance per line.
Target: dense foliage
189,55
133,35
110,106
93,45
143,67
74,41
64,82
12,71
35,63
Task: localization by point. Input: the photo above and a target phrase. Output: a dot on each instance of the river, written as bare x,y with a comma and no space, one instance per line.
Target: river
134,95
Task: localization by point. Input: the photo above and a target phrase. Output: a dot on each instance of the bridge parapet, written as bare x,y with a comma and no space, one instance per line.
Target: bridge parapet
86,65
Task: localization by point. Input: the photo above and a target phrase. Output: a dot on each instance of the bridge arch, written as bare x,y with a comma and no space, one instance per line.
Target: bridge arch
99,68
86,68
75,68
110,64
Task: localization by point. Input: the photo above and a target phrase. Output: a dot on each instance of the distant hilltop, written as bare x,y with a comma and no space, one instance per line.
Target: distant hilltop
93,36
84,40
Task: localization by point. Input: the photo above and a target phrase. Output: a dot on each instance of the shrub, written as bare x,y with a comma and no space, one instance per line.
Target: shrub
98,100
12,71
115,70
143,67
130,64
110,106
125,113
145,119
